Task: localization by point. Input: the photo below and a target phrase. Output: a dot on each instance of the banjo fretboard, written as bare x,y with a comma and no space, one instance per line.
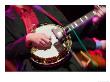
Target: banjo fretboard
82,20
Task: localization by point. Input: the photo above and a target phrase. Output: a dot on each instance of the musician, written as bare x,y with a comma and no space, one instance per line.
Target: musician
19,23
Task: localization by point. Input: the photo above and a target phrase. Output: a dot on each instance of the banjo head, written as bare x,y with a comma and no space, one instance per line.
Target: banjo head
55,54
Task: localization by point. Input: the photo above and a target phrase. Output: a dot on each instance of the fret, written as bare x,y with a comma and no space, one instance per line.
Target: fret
82,20
78,21
94,13
90,14
76,24
86,17
73,25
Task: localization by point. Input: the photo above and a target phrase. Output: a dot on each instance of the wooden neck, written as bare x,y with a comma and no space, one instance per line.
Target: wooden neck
82,20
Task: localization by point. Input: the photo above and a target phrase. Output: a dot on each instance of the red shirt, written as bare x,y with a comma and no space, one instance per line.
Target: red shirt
29,18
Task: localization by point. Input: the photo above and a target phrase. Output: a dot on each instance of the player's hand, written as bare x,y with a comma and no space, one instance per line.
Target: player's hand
39,40
100,13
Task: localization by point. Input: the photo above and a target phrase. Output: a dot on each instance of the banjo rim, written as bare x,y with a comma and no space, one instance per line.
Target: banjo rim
51,60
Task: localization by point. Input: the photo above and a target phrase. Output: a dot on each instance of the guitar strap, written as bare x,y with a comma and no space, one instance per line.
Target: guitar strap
47,14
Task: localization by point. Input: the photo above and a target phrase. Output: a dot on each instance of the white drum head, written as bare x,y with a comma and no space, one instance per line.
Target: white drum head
47,29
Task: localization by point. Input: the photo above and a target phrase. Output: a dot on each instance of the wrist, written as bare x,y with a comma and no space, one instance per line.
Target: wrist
28,41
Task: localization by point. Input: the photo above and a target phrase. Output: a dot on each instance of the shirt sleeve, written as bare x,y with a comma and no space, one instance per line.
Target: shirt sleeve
14,46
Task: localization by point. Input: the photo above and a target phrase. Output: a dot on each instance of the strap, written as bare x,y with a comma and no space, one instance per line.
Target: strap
47,14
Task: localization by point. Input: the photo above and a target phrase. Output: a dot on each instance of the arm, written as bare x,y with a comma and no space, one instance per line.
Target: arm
15,47
22,46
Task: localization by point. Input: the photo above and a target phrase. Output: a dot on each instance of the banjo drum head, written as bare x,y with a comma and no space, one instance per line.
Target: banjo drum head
50,56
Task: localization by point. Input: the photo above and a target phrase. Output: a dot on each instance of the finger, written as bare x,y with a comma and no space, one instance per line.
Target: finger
99,13
43,43
100,10
46,45
38,44
48,37
41,47
103,9
96,7
46,40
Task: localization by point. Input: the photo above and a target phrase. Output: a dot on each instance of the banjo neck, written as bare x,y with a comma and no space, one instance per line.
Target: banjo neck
80,21
77,23
84,19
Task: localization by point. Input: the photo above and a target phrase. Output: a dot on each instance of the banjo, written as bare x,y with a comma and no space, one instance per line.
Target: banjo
61,42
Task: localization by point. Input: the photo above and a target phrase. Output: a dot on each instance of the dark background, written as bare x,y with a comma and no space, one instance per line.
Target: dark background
73,12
